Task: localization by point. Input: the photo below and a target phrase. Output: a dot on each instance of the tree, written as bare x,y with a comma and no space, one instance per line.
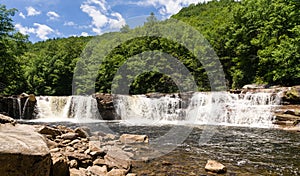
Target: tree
12,45
125,28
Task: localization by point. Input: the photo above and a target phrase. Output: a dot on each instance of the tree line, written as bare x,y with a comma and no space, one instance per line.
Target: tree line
256,41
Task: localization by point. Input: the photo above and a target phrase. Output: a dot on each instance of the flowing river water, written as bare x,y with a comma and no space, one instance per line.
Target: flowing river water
233,129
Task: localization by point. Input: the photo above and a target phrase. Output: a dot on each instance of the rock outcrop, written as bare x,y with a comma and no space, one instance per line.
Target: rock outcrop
23,151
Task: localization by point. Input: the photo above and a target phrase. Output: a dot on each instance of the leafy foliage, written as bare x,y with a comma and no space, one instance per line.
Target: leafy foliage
257,41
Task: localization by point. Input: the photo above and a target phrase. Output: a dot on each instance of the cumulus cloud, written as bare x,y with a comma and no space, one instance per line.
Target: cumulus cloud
22,15
101,15
169,7
85,34
32,11
24,30
40,30
53,15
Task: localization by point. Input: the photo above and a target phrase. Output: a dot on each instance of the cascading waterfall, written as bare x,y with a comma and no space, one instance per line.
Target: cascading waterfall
215,108
140,109
52,107
67,108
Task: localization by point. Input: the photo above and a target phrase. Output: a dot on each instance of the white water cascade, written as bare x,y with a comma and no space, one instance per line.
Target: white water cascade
222,108
66,108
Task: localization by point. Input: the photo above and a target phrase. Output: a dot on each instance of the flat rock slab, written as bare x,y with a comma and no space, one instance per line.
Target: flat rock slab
23,151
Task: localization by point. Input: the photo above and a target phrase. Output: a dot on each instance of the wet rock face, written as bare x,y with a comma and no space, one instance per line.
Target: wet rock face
18,106
23,151
106,106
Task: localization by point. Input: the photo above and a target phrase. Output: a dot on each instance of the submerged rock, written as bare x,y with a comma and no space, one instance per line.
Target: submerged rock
23,151
215,166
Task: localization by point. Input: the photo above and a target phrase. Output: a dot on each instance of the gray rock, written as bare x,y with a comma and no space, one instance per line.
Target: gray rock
23,151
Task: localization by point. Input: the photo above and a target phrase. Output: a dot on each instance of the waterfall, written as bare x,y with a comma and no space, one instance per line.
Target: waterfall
67,108
139,108
215,108
22,112
19,108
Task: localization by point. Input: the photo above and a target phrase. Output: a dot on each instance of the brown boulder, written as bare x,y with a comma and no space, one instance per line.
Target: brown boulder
60,165
23,151
97,170
117,172
49,131
5,119
215,166
132,138
117,158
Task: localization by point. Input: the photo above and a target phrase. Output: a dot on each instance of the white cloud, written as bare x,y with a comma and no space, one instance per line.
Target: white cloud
22,15
169,7
69,23
53,15
40,30
85,34
24,30
32,12
118,22
101,15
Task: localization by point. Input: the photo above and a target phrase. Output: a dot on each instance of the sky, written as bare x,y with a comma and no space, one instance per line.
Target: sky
44,19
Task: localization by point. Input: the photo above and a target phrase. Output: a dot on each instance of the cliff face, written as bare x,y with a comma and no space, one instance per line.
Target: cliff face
18,107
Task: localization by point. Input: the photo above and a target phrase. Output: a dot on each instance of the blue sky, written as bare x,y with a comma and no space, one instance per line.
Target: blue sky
44,19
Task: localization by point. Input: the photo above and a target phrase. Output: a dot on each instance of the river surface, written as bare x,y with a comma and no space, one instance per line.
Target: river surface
243,150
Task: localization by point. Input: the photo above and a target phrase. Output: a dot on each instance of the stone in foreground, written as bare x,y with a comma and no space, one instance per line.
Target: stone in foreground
215,166
23,151
132,138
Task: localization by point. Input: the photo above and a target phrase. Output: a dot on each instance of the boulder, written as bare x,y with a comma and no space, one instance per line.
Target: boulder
131,138
97,170
23,151
60,165
78,172
5,119
49,131
69,136
117,172
99,162
83,132
117,158
215,166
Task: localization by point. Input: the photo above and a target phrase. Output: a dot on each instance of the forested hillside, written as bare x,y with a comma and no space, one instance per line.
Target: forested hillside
257,41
